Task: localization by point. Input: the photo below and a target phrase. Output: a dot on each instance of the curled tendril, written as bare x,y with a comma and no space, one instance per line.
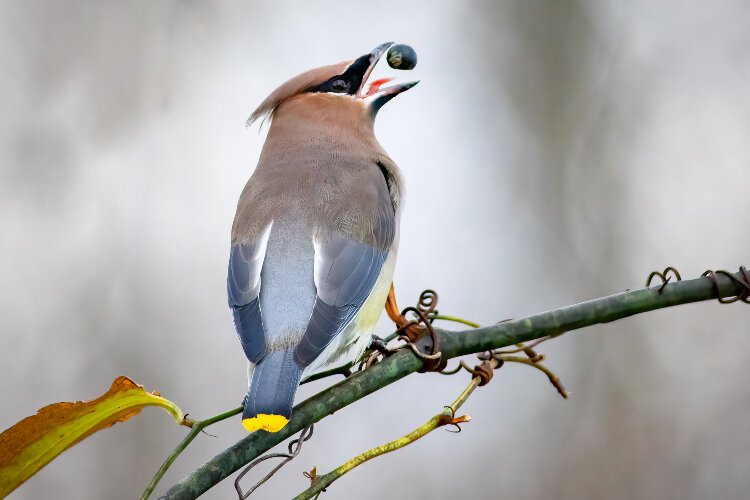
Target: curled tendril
433,361
427,303
664,277
295,446
743,281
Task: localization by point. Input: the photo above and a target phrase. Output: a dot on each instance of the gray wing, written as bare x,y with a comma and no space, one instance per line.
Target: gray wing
346,270
243,290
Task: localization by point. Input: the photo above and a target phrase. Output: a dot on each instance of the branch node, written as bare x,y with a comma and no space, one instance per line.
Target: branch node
484,371
449,420
188,422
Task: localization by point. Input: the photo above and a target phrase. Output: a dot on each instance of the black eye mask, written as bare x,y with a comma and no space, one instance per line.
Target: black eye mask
348,82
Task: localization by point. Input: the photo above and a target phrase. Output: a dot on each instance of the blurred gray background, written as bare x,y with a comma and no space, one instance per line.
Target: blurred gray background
556,151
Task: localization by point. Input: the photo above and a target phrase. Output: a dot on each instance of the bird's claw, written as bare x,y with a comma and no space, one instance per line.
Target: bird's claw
378,345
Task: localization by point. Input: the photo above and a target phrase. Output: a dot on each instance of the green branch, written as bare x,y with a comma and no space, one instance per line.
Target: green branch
453,344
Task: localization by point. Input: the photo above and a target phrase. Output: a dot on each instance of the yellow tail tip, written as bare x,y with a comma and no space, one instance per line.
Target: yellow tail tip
270,423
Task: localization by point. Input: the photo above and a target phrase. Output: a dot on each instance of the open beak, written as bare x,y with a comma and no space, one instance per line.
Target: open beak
380,95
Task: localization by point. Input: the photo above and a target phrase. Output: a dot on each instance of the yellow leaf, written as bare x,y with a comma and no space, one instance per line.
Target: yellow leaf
35,441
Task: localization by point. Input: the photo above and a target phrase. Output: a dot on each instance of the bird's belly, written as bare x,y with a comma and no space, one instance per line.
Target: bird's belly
375,303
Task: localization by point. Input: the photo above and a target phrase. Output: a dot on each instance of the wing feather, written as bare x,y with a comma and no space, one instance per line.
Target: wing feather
243,290
345,273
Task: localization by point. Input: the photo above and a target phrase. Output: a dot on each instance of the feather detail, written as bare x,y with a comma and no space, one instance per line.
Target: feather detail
295,86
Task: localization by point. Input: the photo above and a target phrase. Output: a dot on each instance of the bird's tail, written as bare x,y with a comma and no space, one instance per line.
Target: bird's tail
269,400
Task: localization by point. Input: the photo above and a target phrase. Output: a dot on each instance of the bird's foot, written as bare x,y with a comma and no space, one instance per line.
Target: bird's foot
376,350
378,344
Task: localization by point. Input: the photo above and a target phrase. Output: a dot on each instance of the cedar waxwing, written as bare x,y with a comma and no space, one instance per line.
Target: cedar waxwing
315,235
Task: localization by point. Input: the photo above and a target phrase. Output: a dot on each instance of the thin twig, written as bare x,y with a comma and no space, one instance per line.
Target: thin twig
526,347
345,370
196,427
461,365
554,379
456,319
445,417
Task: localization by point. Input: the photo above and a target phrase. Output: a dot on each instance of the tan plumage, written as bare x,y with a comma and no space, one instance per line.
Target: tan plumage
295,86
314,137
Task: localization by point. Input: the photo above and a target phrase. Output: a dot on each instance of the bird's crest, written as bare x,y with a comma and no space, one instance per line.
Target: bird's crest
295,86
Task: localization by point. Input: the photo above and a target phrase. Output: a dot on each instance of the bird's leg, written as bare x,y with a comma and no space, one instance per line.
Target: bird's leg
374,351
404,326
391,307
378,344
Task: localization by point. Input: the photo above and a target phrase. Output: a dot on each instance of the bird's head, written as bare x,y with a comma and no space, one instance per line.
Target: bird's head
339,91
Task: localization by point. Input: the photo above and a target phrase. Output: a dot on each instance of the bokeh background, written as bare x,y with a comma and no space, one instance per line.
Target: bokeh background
555,151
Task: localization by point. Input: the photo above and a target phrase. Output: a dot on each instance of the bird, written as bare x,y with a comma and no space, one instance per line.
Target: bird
315,235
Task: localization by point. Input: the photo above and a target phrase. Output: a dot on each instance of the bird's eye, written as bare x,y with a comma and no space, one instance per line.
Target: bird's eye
340,86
